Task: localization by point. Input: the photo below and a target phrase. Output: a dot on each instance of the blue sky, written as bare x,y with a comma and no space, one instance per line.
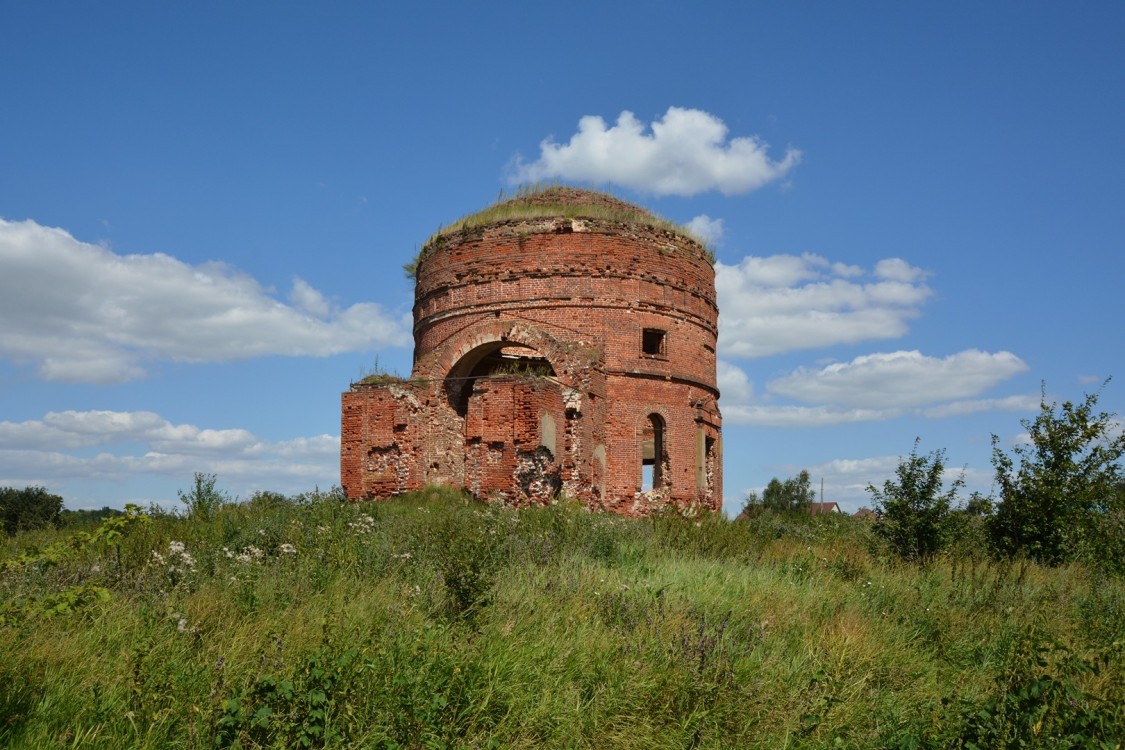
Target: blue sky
918,212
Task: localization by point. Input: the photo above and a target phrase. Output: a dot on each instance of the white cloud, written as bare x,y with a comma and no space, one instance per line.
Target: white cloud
82,313
783,303
770,415
309,299
1021,402
734,384
897,269
685,152
899,379
707,229
57,449
872,388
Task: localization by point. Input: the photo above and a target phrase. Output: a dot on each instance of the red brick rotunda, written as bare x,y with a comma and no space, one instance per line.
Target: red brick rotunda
564,343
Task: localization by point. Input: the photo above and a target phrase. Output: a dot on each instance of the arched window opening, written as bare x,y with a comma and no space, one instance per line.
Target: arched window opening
652,453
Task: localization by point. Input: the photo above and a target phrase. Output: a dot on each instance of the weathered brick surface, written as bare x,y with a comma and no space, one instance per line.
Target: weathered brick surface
530,376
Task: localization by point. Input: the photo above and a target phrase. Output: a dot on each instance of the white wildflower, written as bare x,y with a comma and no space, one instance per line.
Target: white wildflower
287,549
363,525
249,554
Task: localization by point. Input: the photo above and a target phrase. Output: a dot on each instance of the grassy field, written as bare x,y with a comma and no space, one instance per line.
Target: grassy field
432,621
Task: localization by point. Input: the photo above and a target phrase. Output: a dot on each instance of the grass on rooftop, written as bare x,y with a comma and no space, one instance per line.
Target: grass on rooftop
533,201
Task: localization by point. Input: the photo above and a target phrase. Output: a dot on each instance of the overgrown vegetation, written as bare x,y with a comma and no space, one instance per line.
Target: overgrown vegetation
1062,495
29,508
516,206
915,512
434,621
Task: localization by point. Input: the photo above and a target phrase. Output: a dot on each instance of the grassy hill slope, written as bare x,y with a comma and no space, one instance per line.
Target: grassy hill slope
432,621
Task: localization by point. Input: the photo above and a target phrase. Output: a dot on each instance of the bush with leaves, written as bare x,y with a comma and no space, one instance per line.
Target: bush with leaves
1061,493
203,500
914,511
29,508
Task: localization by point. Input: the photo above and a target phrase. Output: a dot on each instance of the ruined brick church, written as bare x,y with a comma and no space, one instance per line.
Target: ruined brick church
564,343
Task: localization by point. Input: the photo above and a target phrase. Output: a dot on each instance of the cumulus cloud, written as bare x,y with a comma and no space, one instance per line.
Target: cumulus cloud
707,229
90,446
734,384
773,415
784,303
683,153
899,379
87,429
1025,402
874,387
82,313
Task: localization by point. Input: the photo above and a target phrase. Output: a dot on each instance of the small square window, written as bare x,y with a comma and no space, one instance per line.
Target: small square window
654,342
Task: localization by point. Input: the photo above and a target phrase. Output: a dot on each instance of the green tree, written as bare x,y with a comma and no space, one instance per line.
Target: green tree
29,508
914,510
1060,492
203,499
795,493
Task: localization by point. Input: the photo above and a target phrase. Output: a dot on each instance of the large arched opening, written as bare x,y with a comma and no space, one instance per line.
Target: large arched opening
490,360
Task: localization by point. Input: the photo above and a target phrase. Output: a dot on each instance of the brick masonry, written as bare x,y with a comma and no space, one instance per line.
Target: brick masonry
552,354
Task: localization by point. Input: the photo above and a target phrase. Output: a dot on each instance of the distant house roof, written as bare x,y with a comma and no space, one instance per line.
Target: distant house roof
866,514
817,508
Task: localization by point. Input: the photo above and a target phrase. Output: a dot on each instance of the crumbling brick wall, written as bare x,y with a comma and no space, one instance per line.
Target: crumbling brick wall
543,346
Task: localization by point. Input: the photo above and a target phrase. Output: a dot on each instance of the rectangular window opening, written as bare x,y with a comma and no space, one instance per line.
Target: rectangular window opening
654,342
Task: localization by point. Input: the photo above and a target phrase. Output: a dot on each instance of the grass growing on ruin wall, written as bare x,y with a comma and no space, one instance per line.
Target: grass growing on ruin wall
516,207
433,621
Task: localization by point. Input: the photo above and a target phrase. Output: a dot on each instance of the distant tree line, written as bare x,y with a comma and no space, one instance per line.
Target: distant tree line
794,493
35,508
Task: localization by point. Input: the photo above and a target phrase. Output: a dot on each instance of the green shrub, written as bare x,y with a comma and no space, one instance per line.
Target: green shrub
203,500
1062,496
914,511
28,509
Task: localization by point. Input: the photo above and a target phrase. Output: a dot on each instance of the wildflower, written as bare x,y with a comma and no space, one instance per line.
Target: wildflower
363,524
249,554
287,549
178,558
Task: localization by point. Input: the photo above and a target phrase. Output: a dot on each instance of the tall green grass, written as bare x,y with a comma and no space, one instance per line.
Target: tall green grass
434,621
